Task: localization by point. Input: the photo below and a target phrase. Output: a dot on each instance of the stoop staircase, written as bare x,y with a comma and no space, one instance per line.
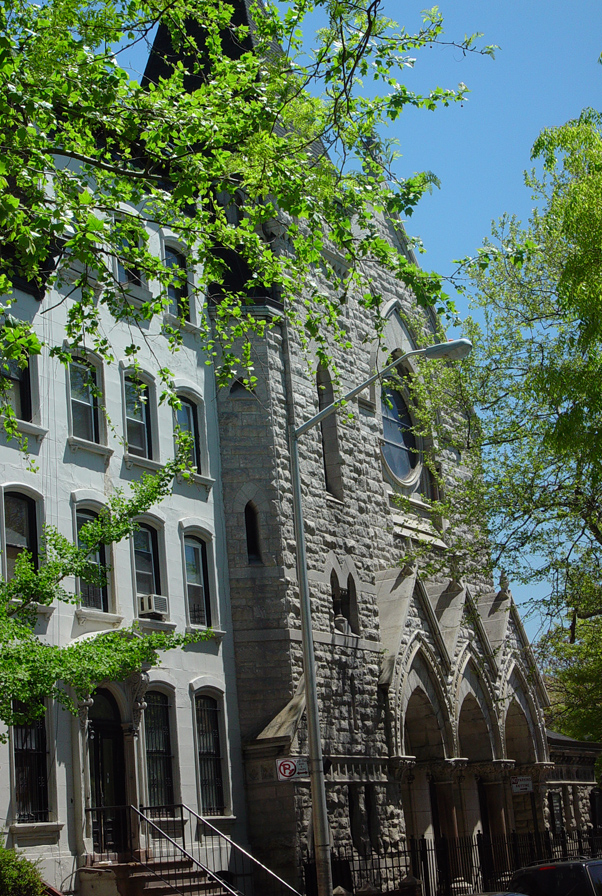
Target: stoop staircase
174,850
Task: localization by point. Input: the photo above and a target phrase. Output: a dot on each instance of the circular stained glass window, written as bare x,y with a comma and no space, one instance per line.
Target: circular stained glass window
399,446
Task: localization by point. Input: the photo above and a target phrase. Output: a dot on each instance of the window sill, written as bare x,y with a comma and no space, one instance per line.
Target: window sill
172,321
77,444
330,498
90,614
366,404
41,609
155,625
135,295
36,830
217,634
198,479
132,460
28,428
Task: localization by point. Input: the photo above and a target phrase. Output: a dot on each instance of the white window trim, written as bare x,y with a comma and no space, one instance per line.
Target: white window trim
206,687
191,528
38,499
149,463
188,391
90,614
43,828
168,240
158,524
132,292
169,689
76,442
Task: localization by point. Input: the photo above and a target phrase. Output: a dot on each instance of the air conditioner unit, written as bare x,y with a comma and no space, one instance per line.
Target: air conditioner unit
153,605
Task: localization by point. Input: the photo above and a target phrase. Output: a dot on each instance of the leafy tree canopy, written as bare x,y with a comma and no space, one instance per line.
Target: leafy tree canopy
225,138
532,409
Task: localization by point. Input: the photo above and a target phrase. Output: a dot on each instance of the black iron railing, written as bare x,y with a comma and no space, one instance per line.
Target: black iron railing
182,849
451,867
210,848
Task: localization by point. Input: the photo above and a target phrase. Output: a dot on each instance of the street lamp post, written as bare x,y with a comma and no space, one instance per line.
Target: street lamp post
452,350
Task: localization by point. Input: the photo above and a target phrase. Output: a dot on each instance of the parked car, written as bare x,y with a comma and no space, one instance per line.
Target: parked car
569,877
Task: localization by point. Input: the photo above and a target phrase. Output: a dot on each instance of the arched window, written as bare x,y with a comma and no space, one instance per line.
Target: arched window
399,447
84,391
138,418
252,533
177,289
197,581
20,530
93,595
187,422
330,442
211,778
158,750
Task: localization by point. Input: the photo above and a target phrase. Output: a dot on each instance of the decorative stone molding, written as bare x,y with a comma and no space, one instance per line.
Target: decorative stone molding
401,767
137,687
83,707
494,770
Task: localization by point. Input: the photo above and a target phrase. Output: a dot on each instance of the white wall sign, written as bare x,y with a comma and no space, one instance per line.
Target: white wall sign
521,784
293,767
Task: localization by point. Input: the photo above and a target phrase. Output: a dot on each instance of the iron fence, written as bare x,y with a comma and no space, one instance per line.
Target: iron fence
452,867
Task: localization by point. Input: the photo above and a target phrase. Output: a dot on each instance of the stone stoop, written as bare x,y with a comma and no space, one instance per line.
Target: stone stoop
135,879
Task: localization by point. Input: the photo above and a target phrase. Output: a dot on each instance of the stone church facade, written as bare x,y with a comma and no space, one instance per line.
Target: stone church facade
430,700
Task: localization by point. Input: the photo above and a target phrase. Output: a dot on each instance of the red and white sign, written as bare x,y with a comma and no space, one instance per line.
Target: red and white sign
291,768
521,784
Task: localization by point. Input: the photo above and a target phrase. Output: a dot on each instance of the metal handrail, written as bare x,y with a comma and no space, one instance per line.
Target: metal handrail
243,851
235,846
184,852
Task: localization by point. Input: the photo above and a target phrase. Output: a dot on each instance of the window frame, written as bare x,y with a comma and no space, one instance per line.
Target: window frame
155,688
412,478
187,401
104,560
207,590
179,295
21,380
156,560
93,403
48,769
149,421
33,519
222,760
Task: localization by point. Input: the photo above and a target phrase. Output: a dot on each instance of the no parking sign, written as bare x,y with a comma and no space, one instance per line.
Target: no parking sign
291,768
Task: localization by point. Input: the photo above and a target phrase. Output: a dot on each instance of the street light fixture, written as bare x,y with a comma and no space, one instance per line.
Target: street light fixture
452,350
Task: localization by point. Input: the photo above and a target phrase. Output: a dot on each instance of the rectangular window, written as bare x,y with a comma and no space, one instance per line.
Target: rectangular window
187,422
210,758
31,770
84,401
128,273
19,529
146,561
177,289
197,588
94,596
158,750
18,389
137,418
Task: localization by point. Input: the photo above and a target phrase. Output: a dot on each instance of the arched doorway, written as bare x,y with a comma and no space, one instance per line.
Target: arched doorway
424,740
475,745
107,774
521,748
